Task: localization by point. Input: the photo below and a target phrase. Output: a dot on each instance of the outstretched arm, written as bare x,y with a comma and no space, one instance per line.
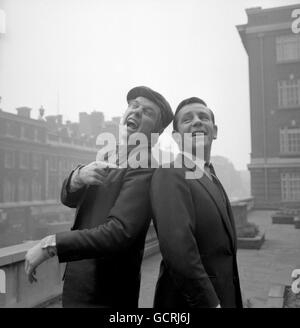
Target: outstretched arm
128,219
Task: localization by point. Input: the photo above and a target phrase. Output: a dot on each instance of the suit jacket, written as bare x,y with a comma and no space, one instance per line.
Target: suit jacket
197,238
105,248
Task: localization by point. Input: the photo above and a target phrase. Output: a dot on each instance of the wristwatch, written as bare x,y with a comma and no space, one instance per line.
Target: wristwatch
49,244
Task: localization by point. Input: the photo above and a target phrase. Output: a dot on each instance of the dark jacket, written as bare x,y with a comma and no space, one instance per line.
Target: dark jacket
197,239
105,248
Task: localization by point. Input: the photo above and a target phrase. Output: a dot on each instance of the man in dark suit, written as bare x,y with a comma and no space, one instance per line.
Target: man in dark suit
194,221
105,248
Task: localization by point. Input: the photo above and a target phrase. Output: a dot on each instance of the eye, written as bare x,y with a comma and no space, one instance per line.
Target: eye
134,104
204,118
186,120
148,111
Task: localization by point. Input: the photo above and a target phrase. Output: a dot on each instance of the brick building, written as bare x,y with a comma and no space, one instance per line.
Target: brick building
36,155
273,49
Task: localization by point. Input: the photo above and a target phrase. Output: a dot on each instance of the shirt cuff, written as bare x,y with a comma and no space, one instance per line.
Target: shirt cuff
49,243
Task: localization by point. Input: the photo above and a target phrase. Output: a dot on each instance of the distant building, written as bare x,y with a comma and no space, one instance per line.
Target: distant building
274,73
235,182
91,124
36,155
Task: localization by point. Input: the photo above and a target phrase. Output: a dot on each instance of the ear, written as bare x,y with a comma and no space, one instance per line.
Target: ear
215,133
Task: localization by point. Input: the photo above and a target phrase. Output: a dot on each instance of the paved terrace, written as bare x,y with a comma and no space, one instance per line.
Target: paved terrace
259,269
273,263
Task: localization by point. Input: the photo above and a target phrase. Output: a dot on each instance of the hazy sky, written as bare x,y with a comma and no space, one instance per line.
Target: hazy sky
84,55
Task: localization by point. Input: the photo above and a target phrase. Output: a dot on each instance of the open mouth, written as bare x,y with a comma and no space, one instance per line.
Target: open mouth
198,134
132,123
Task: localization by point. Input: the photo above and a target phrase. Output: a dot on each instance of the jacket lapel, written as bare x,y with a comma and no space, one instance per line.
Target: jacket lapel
222,208
230,215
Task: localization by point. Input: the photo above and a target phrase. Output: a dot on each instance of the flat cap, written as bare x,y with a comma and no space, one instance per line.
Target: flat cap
166,111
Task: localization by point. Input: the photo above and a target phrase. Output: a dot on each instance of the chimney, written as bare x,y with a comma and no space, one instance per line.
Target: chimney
24,111
59,119
51,120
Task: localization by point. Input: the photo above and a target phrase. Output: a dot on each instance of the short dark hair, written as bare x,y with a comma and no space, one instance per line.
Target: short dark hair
188,101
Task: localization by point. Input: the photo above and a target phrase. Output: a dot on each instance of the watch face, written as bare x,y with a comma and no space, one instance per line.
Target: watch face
43,244
48,242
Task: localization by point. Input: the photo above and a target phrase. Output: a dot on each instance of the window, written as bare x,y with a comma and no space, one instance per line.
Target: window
36,189
53,187
290,187
288,93
11,129
9,159
35,135
288,48
8,190
29,132
64,167
290,141
24,160
53,164
36,161
22,132
39,135
23,190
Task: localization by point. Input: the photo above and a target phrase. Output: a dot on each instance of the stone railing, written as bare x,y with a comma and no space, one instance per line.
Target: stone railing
17,291
20,293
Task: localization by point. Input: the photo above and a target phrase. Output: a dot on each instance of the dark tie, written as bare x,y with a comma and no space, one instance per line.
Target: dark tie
216,180
223,194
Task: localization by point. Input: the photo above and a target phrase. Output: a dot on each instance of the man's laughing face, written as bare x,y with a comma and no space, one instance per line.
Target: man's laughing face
141,116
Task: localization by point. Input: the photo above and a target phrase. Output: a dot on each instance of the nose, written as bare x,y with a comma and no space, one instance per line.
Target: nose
196,121
137,111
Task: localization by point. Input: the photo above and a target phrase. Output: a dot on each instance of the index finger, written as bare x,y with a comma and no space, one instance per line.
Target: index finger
102,165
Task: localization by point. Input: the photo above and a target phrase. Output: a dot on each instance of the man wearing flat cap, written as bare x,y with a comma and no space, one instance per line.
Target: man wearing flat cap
105,248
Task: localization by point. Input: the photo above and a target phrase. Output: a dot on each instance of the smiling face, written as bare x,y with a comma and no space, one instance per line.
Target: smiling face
197,120
141,116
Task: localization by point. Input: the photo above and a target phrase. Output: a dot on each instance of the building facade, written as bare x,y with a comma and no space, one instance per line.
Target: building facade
36,155
273,48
